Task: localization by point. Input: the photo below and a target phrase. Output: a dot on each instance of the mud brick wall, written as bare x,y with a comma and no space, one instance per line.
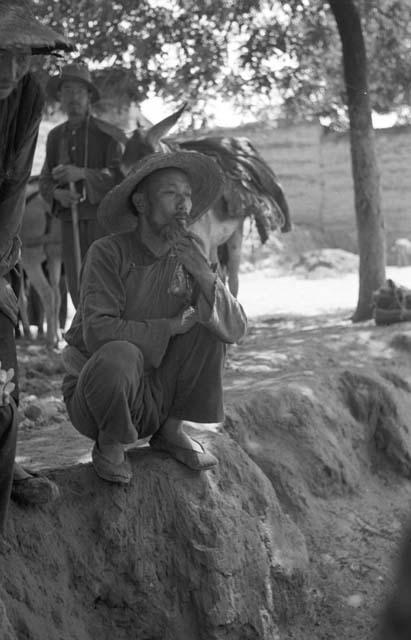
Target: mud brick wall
315,171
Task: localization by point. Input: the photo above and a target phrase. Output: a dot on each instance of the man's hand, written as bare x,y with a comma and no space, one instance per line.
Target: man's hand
6,386
189,252
66,197
184,321
65,173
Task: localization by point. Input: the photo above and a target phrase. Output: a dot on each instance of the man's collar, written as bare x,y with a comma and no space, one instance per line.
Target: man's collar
80,125
157,249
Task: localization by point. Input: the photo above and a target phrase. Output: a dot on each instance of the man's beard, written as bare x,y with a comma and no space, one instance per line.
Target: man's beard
168,232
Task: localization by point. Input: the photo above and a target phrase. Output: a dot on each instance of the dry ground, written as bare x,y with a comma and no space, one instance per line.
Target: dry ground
300,334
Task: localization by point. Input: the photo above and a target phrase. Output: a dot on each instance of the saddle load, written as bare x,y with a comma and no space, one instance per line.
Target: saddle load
392,303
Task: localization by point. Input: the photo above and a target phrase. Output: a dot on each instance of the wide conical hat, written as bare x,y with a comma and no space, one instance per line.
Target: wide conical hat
19,27
116,212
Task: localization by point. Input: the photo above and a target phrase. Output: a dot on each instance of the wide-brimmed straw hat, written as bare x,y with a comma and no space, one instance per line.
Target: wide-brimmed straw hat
78,73
19,27
117,213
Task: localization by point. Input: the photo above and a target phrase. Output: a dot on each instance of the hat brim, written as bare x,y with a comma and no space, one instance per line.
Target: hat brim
116,212
54,86
24,30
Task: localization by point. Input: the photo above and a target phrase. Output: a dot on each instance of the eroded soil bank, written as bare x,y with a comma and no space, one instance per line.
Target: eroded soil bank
292,537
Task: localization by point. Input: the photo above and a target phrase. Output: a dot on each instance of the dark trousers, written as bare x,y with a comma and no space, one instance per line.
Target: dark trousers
116,396
8,418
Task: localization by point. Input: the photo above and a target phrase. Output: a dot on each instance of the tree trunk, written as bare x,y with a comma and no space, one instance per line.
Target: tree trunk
370,222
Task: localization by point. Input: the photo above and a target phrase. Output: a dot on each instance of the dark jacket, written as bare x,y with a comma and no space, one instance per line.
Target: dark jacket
20,116
125,295
94,146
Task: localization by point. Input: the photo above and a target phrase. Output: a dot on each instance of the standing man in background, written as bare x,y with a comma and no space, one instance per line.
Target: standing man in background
21,105
85,152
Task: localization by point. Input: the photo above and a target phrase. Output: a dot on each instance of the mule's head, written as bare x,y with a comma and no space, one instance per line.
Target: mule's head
145,141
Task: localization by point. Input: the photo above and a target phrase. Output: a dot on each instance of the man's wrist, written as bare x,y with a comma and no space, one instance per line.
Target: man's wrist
206,279
207,283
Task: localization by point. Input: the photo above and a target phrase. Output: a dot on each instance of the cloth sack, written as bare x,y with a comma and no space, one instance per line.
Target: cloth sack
392,303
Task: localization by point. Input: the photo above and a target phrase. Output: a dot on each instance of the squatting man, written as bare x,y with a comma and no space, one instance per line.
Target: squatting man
146,347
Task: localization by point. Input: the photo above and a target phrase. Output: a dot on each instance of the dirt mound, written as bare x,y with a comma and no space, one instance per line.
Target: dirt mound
325,263
322,407
318,437
336,445
303,252
382,406
176,555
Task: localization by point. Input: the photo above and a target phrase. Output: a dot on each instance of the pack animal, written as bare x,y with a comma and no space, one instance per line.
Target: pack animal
41,243
251,190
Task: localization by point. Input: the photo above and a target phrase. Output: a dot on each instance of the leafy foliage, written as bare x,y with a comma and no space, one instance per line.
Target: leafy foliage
311,79
250,50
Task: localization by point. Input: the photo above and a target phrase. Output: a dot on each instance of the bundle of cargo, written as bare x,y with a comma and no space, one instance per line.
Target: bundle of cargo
392,303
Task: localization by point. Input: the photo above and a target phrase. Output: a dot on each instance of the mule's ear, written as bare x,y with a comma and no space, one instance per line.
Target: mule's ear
142,122
159,131
140,202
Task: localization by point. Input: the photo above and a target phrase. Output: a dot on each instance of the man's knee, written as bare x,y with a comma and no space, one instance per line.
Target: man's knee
114,370
200,336
200,348
119,358
207,341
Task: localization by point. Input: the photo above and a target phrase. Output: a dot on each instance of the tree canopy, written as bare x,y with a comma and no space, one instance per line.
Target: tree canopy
250,50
